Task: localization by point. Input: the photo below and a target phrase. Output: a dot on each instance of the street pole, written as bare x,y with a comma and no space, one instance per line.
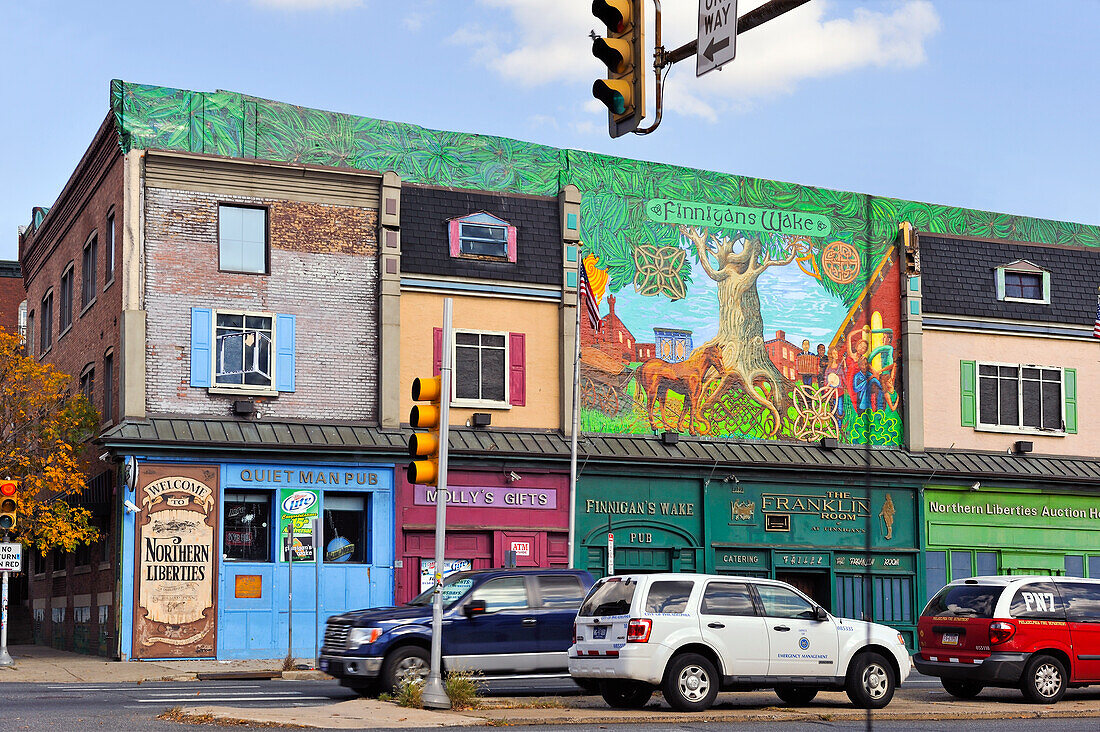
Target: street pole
576,424
288,663
5,659
434,694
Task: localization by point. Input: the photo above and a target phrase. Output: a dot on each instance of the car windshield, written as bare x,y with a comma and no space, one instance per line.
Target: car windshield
609,597
964,601
455,588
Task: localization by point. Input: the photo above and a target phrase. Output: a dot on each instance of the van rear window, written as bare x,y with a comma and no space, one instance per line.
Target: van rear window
609,597
668,597
964,601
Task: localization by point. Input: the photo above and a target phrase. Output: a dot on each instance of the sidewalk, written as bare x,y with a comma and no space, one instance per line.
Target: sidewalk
42,664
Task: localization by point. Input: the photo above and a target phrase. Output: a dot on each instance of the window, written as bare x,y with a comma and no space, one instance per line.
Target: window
1075,565
482,236
779,602
668,597
87,272
1022,281
345,529
45,332
1082,601
727,598
1038,601
109,250
609,597
961,565
505,593
479,372
65,313
935,571
23,320
560,590
964,600
108,386
87,382
1024,397
243,355
242,239
247,531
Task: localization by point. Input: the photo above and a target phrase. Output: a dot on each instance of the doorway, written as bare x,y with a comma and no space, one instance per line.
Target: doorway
813,584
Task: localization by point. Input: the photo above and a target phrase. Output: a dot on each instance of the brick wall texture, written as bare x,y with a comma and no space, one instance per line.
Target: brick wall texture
11,294
323,270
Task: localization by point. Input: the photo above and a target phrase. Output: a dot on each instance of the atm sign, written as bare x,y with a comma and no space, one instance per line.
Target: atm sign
522,548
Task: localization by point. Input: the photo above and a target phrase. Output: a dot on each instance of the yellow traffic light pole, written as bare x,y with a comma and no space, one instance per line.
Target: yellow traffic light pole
9,509
435,695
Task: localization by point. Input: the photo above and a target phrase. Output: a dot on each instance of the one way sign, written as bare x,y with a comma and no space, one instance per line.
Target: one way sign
717,34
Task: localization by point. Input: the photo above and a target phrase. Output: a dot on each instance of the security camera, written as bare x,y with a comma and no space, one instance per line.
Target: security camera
131,506
977,486
105,456
513,476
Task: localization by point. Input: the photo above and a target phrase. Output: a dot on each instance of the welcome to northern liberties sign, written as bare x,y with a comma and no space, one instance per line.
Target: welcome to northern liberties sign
743,218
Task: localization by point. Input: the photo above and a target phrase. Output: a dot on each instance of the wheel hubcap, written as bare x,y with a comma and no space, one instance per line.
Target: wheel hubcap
412,669
876,681
1047,680
694,683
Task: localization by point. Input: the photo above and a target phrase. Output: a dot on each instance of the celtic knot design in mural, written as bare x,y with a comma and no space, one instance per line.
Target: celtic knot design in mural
816,412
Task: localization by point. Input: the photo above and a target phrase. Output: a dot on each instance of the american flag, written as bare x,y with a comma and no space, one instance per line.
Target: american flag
1096,325
593,308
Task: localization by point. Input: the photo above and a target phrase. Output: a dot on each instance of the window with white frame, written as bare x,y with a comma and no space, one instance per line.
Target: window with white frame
242,239
481,367
482,235
1023,281
243,349
1020,397
23,320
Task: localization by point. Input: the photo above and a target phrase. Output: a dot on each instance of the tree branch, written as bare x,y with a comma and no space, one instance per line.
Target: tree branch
699,237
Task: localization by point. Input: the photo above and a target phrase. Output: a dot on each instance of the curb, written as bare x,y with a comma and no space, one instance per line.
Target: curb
305,676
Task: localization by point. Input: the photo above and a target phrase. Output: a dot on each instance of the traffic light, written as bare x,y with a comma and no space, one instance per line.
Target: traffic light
623,52
424,446
8,506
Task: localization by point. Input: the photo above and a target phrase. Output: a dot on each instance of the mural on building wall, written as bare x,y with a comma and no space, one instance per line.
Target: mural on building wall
795,286
175,615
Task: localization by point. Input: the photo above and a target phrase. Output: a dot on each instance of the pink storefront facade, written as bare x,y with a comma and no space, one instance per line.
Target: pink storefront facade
489,513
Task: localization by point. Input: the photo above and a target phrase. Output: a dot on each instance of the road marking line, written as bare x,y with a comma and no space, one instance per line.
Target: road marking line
213,699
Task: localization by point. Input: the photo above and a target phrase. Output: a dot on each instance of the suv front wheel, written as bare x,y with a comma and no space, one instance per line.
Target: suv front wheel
625,694
870,683
691,683
1044,680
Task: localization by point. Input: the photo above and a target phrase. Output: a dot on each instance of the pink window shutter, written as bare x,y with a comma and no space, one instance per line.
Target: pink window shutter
437,350
517,372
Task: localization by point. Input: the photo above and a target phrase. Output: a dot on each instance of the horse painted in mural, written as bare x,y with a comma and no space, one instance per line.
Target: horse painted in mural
657,377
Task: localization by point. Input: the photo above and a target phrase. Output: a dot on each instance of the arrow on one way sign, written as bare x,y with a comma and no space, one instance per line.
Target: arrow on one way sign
717,40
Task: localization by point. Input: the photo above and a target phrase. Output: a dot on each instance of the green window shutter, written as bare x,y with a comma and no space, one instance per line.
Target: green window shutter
1069,384
1046,288
1000,274
969,390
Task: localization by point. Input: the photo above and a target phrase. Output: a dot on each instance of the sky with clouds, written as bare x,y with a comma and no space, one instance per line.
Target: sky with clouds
981,103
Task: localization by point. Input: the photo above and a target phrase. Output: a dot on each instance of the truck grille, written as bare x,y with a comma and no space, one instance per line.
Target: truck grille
336,636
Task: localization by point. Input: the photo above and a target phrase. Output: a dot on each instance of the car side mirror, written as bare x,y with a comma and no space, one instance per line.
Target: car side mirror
820,614
475,607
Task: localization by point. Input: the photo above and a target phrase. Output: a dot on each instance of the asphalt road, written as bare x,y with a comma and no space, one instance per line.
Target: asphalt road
132,706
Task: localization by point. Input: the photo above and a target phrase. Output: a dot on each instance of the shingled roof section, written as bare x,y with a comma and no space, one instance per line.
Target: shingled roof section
426,212
958,279
176,435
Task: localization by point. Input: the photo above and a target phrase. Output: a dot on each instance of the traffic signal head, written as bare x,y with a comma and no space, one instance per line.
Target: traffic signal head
623,53
424,446
8,506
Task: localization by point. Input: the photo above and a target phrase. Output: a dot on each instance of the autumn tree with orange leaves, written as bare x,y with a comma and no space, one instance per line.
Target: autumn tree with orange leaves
44,429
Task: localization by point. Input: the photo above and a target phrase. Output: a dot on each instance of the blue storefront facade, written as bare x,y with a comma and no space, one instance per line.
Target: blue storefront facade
205,549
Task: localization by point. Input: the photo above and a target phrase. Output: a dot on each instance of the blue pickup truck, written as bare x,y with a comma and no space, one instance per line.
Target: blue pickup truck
497,621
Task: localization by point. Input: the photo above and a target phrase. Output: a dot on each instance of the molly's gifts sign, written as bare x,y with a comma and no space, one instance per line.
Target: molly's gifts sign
175,615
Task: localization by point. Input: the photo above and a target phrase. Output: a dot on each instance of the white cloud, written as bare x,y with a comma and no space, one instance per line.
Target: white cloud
549,43
308,4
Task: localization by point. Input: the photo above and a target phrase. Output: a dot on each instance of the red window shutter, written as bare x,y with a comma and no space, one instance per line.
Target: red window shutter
437,350
517,371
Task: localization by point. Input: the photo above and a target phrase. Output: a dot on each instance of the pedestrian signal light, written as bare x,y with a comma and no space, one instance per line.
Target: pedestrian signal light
623,53
424,446
8,505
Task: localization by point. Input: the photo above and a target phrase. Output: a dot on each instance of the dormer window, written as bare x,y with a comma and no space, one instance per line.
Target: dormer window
1023,281
482,236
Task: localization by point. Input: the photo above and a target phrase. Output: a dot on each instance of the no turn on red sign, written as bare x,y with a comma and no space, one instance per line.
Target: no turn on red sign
11,557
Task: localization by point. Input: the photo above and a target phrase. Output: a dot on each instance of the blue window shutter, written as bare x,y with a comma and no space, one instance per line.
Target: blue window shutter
284,352
202,333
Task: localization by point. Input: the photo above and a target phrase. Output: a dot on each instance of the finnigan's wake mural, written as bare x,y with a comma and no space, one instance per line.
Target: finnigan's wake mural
728,320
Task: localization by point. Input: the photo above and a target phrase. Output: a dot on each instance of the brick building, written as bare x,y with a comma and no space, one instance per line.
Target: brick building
13,313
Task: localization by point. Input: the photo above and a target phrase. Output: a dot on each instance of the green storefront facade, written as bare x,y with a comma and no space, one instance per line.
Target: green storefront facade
1004,530
850,545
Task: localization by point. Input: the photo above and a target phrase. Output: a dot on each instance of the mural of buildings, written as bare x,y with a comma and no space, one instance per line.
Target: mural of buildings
784,355
672,345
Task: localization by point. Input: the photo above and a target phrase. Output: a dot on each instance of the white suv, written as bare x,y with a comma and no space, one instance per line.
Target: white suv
695,634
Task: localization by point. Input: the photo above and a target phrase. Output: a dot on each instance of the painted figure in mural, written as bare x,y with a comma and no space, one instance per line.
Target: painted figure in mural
863,387
834,377
735,265
657,377
887,516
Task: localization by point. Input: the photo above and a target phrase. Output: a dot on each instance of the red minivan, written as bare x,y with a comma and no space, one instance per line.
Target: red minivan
1038,634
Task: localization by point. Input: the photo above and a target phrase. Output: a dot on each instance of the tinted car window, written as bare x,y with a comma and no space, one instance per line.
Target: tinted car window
560,590
779,602
1039,600
502,593
964,601
609,597
727,598
1082,601
668,597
